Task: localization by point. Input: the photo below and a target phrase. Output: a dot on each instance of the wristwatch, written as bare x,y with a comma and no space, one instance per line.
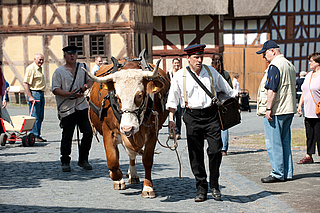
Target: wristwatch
268,109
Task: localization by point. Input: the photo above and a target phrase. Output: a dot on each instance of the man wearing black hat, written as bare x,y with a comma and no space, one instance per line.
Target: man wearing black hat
277,103
68,84
201,117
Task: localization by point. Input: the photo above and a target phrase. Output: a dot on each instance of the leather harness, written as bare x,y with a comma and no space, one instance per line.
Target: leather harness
111,96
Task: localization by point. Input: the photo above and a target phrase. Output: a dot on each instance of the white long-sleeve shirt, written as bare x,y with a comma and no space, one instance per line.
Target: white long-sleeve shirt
196,96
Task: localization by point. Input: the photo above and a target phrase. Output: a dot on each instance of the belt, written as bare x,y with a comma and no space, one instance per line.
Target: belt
200,110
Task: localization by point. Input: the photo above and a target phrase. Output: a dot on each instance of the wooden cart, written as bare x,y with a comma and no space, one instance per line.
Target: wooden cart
18,130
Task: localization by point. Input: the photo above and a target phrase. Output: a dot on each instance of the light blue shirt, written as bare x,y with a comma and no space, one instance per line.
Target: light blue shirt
95,69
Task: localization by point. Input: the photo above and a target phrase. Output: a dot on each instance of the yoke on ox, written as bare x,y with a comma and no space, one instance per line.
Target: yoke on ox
127,106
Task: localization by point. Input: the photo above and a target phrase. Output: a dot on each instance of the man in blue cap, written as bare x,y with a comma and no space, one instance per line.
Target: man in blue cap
201,117
68,84
277,103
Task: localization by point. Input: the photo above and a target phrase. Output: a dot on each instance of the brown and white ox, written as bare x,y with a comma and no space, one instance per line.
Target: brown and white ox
132,86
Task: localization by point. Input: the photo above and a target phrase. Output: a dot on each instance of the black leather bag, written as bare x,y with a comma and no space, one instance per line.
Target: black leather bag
228,107
229,113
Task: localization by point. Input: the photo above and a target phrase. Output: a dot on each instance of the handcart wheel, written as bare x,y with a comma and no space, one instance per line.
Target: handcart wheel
3,139
31,139
12,138
28,140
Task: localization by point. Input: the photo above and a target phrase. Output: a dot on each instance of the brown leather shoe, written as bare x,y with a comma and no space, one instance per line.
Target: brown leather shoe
305,160
40,139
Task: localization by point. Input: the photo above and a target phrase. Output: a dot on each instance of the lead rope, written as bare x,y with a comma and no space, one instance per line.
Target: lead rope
174,146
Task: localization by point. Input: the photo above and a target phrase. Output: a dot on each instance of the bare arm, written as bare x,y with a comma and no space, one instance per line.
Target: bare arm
270,99
172,124
27,89
4,101
87,85
301,102
63,93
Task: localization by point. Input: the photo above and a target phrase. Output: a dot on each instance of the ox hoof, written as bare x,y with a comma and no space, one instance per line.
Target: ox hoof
119,185
134,180
148,194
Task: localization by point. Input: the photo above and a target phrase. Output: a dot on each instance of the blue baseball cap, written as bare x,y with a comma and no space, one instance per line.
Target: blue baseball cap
70,49
268,45
195,49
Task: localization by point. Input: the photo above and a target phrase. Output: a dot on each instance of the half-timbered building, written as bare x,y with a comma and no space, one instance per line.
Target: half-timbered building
238,28
121,28
118,28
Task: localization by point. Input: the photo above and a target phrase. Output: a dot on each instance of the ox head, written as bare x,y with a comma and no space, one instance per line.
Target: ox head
132,87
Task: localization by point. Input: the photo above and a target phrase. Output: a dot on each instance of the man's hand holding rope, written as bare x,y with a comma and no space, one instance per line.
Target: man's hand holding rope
172,124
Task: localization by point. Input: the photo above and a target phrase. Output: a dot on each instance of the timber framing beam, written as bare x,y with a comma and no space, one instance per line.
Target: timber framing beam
66,28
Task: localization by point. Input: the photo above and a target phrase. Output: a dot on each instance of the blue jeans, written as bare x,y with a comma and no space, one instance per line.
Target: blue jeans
225,139
38,111
278,143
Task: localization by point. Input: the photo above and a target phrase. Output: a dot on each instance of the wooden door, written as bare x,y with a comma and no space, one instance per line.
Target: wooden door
249,65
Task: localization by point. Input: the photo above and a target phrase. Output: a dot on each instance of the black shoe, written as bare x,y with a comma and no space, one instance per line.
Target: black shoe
216,194
270,179
200,198
85,165
66,167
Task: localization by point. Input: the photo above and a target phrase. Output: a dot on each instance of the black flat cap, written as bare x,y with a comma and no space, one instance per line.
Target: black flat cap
70,49
195,49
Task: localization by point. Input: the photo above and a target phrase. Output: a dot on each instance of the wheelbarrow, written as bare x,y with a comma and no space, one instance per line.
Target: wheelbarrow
18,128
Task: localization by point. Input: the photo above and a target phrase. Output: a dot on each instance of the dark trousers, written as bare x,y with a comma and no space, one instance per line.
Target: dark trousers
313,134
68,124
202,124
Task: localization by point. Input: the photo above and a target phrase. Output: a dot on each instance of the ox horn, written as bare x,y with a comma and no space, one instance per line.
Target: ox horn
115,64
99,79
155,71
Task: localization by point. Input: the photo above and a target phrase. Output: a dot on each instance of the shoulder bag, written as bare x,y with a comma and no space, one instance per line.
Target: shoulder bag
228,107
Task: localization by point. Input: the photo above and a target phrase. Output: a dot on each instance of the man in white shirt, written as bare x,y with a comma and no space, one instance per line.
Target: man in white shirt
96,67
201,118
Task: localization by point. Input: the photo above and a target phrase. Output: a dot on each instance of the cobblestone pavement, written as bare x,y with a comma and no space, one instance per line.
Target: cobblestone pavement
32,181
